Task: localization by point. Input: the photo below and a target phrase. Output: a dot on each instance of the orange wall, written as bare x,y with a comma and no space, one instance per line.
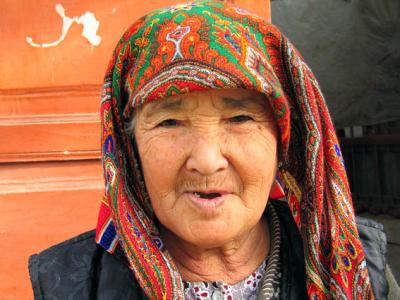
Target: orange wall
50,172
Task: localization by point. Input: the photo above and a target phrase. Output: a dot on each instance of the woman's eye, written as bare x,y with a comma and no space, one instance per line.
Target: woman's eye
241,119
168,123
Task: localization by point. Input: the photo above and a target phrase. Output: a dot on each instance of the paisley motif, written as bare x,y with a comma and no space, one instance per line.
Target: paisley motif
213,45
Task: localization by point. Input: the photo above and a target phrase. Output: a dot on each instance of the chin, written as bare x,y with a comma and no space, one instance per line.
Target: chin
210,243
210,234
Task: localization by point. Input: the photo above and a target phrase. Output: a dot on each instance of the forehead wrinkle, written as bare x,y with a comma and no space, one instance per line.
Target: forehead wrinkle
164,105
243,102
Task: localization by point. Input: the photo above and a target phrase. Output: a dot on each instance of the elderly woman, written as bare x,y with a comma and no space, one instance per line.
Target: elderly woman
224,177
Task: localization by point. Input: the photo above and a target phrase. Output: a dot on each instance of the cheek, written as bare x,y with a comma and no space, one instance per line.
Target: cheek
264,140
256,161
162,157
160,152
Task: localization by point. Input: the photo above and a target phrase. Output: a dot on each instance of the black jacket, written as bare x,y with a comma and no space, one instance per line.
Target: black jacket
80,269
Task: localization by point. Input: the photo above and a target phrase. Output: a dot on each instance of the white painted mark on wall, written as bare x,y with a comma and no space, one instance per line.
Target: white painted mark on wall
90,27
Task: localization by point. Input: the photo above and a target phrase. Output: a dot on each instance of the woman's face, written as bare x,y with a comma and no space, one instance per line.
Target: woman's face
209,160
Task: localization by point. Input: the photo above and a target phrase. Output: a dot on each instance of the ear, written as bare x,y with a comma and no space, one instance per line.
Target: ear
276,191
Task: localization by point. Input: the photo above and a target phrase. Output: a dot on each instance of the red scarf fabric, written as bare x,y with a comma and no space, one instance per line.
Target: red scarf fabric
203,45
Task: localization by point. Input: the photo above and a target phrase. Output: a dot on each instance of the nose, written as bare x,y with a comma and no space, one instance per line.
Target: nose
206,156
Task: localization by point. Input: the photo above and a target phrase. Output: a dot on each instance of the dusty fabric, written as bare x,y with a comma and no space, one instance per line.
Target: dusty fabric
207,45
394,290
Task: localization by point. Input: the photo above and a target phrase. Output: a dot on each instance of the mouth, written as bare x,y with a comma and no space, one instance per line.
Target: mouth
207,200
207,195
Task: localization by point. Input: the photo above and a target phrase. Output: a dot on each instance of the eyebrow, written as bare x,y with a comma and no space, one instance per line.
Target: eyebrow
177,104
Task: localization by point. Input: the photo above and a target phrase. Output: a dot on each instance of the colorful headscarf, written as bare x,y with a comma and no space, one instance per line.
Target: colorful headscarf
214,45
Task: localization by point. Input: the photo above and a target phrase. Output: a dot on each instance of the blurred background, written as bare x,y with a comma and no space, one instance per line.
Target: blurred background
53,56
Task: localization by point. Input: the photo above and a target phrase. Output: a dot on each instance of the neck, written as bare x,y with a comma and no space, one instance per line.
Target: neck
230,263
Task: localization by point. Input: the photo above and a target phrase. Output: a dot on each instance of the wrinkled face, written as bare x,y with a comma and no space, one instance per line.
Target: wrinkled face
209,160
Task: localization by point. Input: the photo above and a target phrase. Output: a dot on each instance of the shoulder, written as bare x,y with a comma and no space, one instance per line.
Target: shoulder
370,229
62,265
80,269
83,243
373,238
